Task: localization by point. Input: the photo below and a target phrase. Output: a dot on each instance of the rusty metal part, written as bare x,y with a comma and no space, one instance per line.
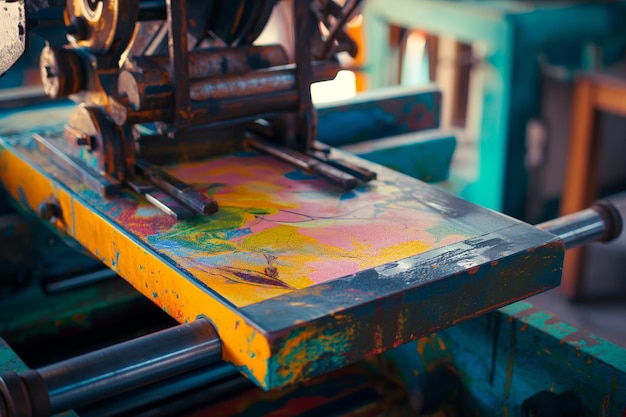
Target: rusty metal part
163,201
303,161
265,84
122,114
61,72
179,59
306,117
237,22
193,145
262,10
228,108
147,83
249,107
355,170
184,88
98,78
220,23
103,184
146,89
111,150
255,83
260,128
199,203
104,27
337,39
12,33
216,61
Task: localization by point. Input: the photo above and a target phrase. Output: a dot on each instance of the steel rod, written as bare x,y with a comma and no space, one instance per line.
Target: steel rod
205,63
171,388
601,222
79,281
114,370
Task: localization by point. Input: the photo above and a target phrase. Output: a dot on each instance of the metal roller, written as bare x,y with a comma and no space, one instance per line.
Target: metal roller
110,371
602,222
121,368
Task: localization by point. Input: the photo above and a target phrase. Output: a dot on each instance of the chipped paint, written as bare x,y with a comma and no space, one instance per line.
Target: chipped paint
291,275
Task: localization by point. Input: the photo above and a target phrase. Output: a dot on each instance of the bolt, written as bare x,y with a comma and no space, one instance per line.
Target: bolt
49,210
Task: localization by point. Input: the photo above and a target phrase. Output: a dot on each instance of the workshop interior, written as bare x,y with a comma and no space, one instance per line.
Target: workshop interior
312,208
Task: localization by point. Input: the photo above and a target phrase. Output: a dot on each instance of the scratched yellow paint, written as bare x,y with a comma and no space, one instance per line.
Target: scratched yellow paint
275,228
161,282
29,187
168,288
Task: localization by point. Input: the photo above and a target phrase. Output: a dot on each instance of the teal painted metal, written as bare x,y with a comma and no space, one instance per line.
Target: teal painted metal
377,114
395,127
423,155
505,357
513,34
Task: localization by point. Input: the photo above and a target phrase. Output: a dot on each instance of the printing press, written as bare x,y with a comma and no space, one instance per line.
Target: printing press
264,271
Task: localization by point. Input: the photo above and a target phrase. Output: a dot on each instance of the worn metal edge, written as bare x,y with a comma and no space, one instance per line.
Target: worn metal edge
153,275
331,332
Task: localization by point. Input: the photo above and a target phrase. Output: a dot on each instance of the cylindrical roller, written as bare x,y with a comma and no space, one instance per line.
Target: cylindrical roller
119,368
212,111
602,222
232,103
254,83
171,388
146,90
122,114
218,61
61,72
106,28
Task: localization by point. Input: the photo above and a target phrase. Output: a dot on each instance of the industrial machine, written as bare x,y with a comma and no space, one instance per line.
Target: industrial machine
189,163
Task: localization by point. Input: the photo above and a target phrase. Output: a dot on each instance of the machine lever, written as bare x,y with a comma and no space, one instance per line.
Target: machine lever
303,161
198,202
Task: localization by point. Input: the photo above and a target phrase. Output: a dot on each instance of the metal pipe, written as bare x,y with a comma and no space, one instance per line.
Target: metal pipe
79,281
171,388
254,83
212,62
601,222
111,371
577,229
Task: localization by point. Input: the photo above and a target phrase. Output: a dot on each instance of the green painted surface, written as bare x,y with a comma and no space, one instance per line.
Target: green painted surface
507,356
424,155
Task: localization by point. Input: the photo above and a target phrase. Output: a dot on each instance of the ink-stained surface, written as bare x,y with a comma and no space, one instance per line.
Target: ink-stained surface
279,229
299,277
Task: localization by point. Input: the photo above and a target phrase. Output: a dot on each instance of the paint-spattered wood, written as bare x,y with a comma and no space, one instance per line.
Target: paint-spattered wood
300,277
